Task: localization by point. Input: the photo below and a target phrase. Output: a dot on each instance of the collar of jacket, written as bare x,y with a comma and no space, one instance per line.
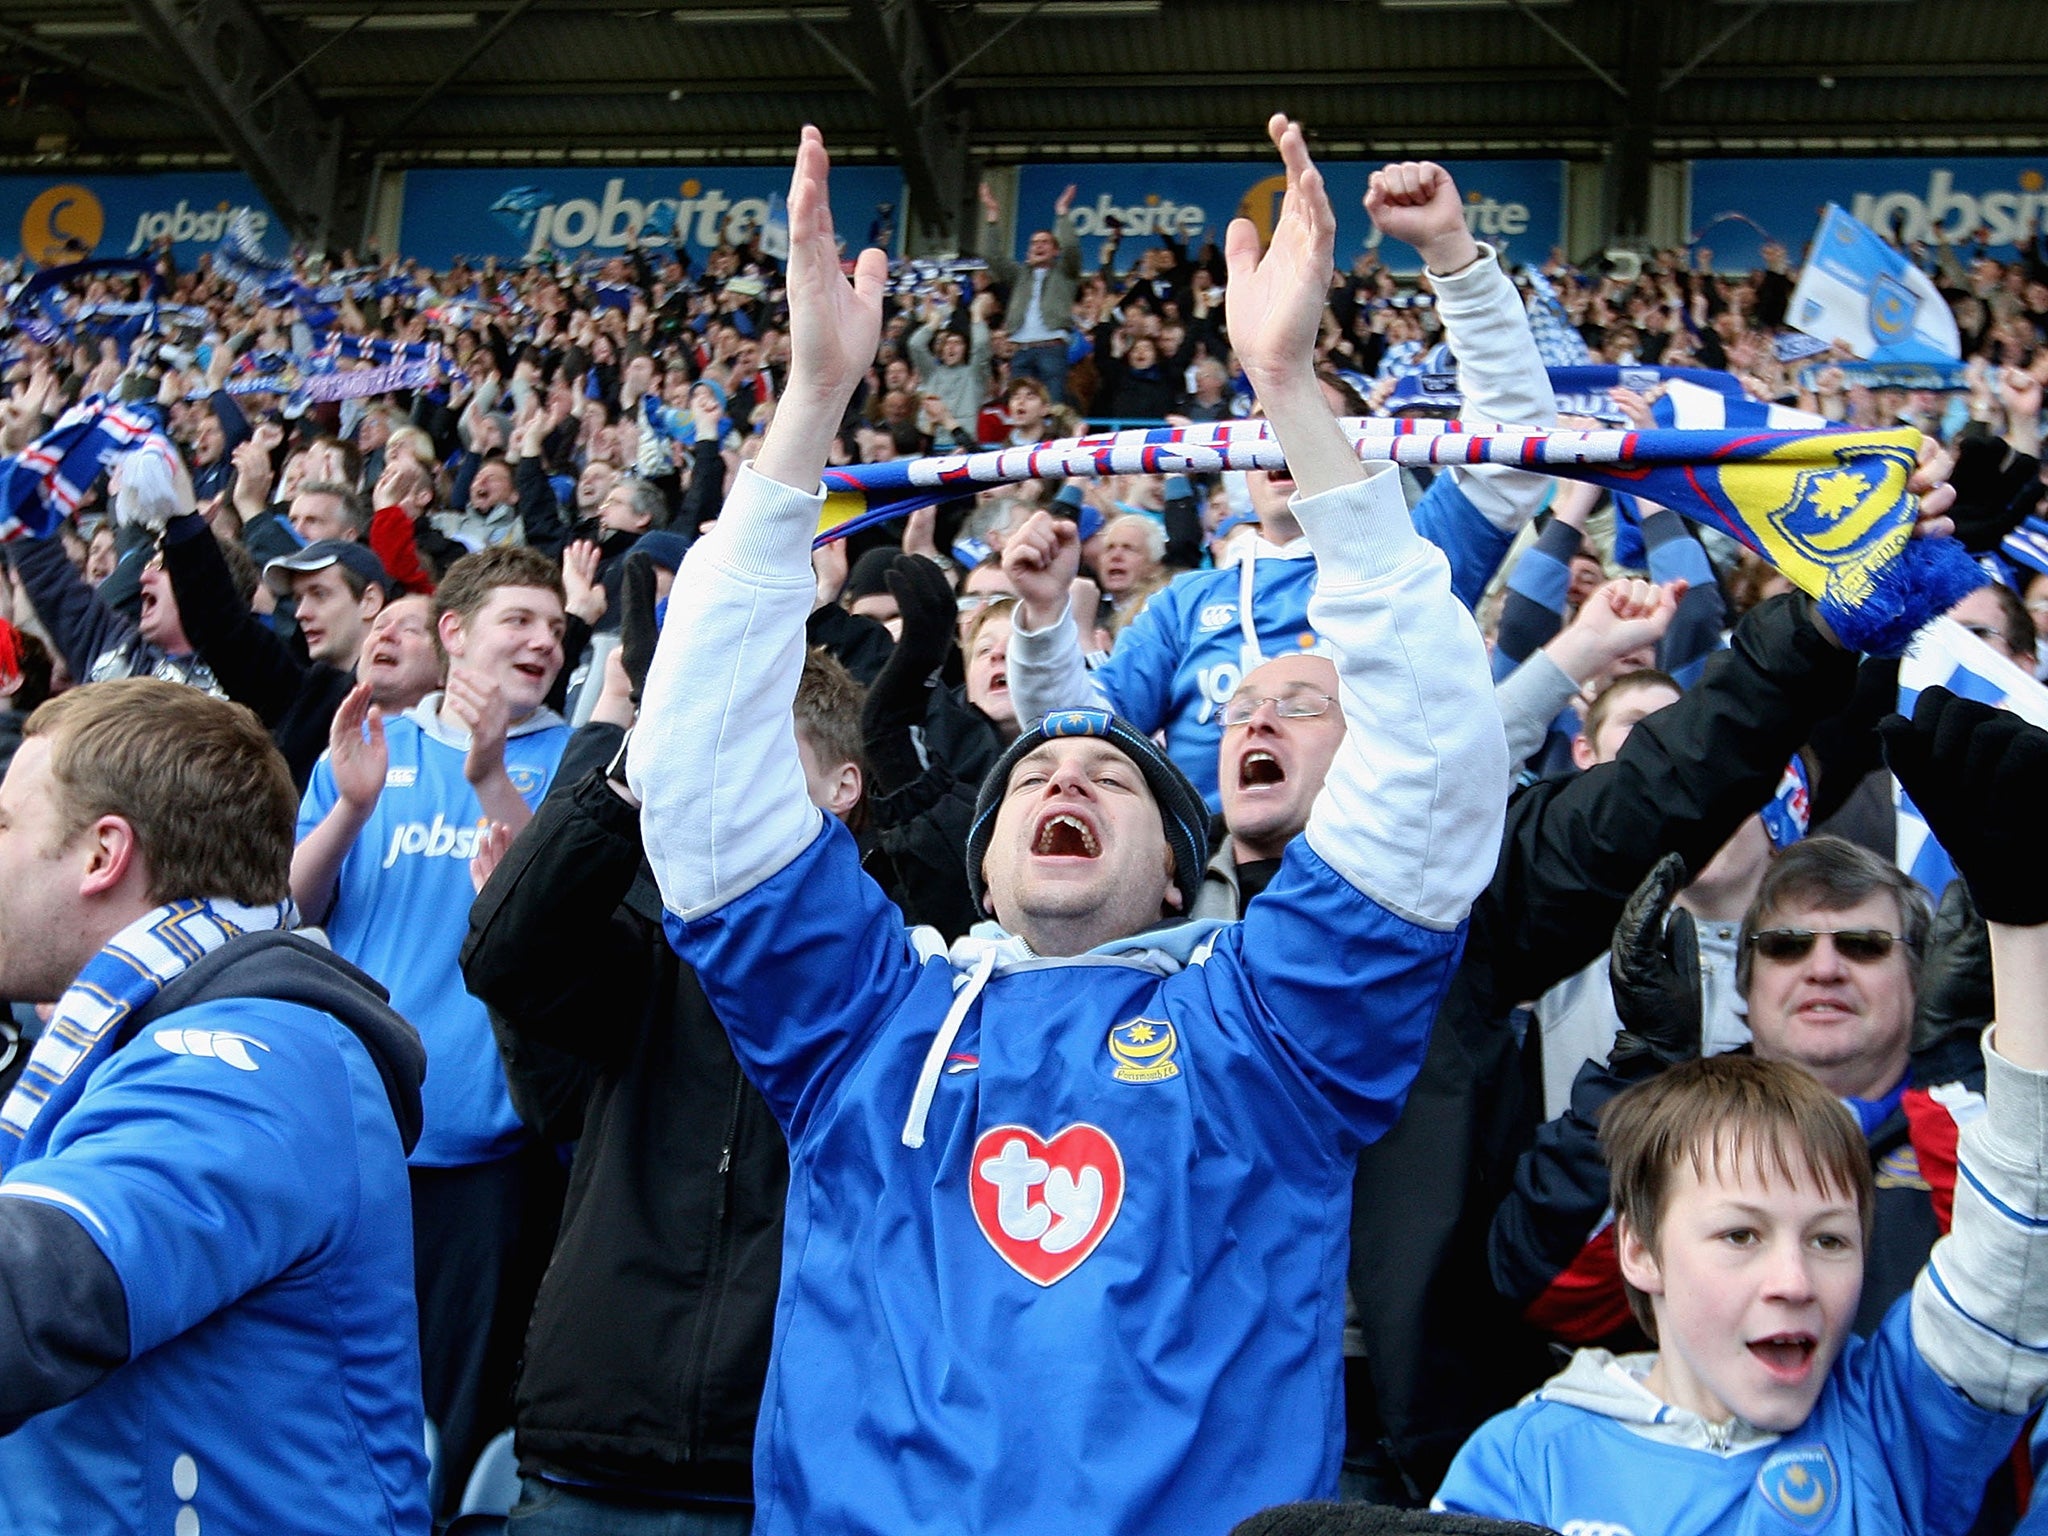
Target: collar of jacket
1613,1385
427,716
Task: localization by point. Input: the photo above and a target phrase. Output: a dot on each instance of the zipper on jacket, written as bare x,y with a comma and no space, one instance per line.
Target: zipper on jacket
715,1268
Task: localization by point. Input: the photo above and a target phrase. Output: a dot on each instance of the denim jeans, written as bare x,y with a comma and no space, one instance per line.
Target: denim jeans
548,1509
1048,365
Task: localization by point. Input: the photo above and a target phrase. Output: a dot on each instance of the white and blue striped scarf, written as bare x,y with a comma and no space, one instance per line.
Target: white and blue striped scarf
123,978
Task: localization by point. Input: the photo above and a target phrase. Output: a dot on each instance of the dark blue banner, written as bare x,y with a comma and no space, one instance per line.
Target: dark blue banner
1739,204
58,219
529,211
1513,205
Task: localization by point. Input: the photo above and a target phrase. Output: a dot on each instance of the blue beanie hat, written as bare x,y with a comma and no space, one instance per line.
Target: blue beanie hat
665,549
1183,814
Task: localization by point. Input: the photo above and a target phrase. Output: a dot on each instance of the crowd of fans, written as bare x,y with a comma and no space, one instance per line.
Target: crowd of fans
443,603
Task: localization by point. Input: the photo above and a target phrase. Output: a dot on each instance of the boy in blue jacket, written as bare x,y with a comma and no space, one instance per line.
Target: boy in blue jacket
1742,1192
1067,1217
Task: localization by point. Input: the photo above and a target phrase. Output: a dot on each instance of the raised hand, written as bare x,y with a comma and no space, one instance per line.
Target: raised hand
1655,970
637,632
1274,304
1975,774
834,327
1623,616
1417,202
1041,559
479,705
828,570
356,753
492,844
584,595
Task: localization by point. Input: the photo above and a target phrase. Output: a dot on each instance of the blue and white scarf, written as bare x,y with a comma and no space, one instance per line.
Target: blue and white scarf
123,978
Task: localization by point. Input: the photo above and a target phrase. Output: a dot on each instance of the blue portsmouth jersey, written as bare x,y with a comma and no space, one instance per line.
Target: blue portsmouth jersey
1889,1447
1105,1290
260,1223
401,912
1181,659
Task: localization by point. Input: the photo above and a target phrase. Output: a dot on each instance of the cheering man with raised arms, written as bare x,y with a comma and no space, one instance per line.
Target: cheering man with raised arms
1068,1209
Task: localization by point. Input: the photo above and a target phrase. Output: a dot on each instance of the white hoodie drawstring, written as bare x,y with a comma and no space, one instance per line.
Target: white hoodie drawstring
942,1042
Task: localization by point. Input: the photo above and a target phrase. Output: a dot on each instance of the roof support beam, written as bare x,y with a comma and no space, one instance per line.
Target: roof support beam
897,46
246,89
1627,200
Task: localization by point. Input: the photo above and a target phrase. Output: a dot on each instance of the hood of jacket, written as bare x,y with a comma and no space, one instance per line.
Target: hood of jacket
293,968
1613,1385
1162,949
427,716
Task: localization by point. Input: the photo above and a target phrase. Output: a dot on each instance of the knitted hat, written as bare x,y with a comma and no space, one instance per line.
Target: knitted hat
1374,1520
1183,815
665,549
717,389
870,573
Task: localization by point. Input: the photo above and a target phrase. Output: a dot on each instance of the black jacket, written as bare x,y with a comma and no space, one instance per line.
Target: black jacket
649,1342
1444,1348
292,694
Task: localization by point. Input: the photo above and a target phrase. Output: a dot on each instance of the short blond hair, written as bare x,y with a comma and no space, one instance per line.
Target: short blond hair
206,791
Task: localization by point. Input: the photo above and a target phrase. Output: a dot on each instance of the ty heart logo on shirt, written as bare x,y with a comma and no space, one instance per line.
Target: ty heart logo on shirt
1045,1205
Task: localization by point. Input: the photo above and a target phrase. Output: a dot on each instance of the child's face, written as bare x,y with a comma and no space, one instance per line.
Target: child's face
1754,1287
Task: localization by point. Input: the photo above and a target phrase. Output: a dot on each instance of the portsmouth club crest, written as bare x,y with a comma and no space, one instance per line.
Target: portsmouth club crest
1143,1051
1892,308
1838,520
1800,1483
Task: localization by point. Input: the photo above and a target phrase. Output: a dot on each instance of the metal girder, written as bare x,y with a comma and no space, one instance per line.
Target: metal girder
248,90
1627,200
896,50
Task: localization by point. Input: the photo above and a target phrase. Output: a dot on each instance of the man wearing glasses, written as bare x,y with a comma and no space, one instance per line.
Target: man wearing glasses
1280,731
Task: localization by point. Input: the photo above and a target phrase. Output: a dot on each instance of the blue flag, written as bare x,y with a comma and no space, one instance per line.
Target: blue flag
1859,291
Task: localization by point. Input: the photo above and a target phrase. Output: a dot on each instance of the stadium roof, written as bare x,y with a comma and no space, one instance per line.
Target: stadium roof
93,83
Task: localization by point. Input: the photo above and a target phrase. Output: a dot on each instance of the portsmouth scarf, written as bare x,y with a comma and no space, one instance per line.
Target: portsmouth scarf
1829,510
44,483
119,981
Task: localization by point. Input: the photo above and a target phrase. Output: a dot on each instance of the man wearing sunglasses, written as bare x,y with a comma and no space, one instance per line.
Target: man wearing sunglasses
1828,965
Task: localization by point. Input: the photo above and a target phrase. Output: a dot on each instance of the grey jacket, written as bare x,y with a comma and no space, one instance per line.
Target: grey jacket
1062,281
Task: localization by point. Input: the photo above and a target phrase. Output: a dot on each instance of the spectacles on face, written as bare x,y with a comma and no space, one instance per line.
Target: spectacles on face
1861,946
1304,705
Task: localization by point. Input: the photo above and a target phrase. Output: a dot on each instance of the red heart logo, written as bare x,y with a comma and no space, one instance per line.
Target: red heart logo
1045,1205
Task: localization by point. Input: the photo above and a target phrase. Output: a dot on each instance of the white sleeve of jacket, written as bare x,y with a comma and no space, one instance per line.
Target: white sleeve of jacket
1046,670
1413,807
713,759
1501,375
1980,1307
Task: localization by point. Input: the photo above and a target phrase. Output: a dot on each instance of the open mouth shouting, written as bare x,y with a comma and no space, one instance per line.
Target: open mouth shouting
1788,1357
1064,835
1259,768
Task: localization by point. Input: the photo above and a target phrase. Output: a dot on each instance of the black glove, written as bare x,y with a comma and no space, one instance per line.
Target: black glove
1996,490
637,633
901,692
1954,995
1976,774
1655,970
